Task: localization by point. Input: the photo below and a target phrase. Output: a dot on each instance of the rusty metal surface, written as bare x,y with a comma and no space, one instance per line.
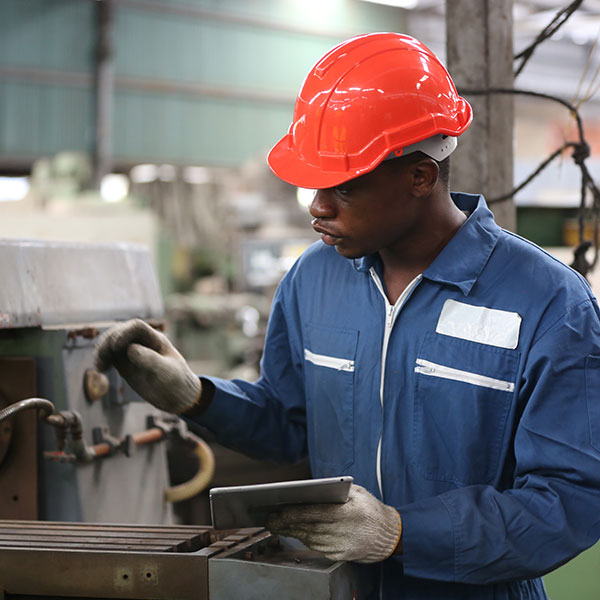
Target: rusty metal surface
78,536
111,561
19,467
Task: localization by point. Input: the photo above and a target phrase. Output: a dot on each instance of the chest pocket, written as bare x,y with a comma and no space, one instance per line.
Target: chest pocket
463,392
329,355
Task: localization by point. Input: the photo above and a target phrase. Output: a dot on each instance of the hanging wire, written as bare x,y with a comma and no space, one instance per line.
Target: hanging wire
581,149
592,87
557,22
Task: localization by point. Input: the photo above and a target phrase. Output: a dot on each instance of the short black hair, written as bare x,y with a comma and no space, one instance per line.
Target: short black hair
444,172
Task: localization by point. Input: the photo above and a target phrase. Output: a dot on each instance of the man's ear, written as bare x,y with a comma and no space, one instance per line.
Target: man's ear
425,173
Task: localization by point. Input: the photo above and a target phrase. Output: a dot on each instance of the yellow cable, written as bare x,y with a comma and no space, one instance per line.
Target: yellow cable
200,480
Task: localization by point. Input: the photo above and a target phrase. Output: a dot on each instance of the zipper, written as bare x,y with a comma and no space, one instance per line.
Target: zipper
391,313
426,367
340,364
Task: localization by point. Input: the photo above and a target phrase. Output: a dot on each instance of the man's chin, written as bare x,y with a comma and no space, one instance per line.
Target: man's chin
350,253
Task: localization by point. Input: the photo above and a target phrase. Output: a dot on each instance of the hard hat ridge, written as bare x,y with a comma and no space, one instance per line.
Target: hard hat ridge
368,97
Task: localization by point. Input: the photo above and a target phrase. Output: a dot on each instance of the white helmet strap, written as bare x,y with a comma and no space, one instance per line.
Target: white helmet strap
438,147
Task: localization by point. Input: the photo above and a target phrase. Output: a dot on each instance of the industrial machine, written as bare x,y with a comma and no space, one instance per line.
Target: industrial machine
57,560
54,301
86,501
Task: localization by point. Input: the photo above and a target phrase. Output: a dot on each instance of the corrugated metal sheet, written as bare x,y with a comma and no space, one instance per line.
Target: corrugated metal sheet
196,81
40,120
235,55
56,35
46,99
196,130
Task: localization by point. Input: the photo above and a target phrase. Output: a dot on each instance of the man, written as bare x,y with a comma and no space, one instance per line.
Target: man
452,368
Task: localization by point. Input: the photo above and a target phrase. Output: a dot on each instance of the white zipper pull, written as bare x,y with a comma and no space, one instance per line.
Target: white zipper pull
349,366
390,316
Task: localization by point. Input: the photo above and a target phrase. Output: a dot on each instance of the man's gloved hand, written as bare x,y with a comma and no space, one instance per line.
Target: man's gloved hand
361,530
150,364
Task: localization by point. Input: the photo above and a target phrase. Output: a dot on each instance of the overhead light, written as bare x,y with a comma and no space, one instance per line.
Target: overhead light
144,173
167,173
13,188
196,175
397,3
114,187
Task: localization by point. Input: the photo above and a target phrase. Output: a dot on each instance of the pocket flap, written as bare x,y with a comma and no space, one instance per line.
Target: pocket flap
330,346
480,324
471,357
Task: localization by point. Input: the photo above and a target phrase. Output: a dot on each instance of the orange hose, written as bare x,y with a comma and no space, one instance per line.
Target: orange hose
147,437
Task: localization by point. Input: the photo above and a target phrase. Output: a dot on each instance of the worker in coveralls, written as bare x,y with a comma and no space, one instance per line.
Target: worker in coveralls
451,367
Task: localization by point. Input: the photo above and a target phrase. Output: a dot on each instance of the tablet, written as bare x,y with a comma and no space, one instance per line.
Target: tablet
249,505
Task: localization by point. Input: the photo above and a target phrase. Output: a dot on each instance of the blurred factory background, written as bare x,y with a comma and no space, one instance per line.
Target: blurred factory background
162,111
136,131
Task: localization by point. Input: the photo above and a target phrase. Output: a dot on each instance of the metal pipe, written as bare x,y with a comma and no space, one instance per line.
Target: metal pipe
104,91
69,423
155,434
39,403
80,449
99,450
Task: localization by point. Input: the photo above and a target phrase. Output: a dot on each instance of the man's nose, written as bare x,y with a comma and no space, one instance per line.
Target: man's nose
322,206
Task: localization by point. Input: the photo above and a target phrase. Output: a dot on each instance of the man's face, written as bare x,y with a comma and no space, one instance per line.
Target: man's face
371,213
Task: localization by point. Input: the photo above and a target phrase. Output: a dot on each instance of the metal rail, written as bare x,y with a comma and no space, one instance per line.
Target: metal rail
121,538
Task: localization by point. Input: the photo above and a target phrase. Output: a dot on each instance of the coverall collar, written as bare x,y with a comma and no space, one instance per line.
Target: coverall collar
463,258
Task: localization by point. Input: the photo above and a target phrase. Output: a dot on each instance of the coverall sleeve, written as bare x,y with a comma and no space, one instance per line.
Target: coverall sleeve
267,418
479,534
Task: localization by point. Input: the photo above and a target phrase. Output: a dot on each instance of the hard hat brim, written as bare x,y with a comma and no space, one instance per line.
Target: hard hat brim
284,161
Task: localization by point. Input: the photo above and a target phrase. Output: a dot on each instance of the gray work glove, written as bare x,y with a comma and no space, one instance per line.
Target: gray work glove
150,364
362,530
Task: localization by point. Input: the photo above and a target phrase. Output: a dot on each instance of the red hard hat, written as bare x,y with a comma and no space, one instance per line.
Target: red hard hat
367,98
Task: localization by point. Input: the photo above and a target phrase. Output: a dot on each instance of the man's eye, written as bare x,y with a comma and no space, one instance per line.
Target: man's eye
343,191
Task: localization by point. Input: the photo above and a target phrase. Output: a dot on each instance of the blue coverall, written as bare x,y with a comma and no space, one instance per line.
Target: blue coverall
472,405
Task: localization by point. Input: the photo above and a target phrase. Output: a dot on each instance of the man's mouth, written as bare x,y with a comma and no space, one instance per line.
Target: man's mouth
327,236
